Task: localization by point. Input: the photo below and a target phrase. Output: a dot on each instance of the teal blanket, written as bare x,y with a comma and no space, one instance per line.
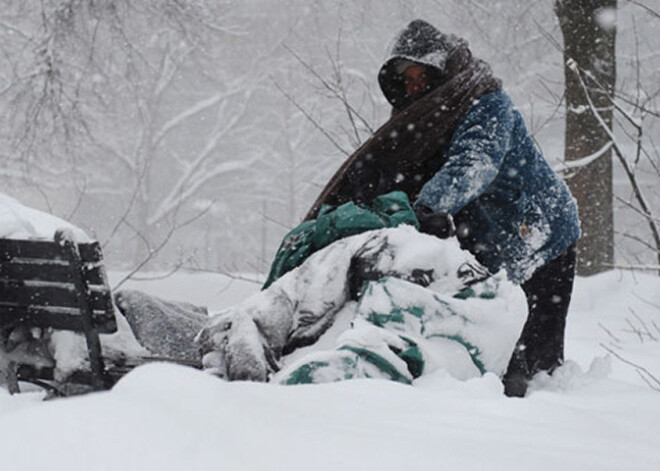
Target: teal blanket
334,223
401,330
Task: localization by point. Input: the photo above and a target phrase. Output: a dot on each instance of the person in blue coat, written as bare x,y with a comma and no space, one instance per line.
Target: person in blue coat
505,202
460,150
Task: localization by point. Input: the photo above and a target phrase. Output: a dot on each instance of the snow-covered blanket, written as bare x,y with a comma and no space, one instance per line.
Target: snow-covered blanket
390,303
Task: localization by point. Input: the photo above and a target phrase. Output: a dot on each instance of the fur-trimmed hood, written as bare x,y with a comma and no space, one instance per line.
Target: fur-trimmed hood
419,43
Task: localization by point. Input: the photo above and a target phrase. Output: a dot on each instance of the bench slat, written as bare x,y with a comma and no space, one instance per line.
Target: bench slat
104,321
44,270
56,296
45,249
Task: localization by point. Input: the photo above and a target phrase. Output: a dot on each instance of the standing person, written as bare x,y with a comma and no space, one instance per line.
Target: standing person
459,149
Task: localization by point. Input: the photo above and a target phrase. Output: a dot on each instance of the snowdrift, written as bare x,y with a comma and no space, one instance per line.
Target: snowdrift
596,412
599,411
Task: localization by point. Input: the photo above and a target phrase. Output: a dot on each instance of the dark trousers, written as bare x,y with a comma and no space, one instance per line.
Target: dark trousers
541,343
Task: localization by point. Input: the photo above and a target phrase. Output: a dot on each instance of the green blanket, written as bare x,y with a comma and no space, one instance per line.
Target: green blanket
401,330
334,223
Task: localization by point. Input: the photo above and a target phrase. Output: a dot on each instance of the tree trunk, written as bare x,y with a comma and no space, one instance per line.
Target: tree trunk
589,38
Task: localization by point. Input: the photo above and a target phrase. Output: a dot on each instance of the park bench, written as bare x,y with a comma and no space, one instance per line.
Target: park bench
58,284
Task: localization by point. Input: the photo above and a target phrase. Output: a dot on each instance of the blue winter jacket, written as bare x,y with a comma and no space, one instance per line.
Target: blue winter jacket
506,200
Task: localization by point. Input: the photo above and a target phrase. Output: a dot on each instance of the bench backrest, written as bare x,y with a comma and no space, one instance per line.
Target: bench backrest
58,284
39,285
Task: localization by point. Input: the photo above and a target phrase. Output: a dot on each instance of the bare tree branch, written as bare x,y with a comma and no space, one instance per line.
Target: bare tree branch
311,119
645,7
649,378
639,195
153,252
584,161
338,91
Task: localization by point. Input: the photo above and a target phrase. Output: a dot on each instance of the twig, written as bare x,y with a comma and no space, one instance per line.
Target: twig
157,249
639,195
633,267
583,161
643,324
650,379
635,331
609,332
352,111
637,210
644,7
79,200
647,381
640,240
655,326
226,273
129,207
311,119
163,276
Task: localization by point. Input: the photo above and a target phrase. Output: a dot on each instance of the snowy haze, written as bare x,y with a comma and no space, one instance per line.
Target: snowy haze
190,139
197,138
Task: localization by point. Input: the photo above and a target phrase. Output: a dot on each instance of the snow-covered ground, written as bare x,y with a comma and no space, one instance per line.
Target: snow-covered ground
597,413
600,411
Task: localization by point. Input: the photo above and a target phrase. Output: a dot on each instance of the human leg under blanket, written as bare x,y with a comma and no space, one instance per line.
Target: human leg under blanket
247,341
402,330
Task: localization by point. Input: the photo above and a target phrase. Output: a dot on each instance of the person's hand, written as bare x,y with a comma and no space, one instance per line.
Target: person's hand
440,225
233,348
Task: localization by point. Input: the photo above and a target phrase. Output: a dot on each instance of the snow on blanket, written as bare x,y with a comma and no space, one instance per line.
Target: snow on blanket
407,320
400,330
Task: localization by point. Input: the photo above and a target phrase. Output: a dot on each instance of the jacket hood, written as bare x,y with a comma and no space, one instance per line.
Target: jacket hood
421,43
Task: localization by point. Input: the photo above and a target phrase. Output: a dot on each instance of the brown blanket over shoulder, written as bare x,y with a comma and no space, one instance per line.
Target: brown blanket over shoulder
409,148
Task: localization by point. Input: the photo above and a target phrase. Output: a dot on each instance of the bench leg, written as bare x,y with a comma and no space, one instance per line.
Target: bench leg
95,359
70,249
8,370
12,380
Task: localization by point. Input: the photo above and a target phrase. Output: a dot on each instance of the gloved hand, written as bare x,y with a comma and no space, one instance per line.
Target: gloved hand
233,348
440,225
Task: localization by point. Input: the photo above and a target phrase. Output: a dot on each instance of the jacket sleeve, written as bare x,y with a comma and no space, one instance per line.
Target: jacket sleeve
474,156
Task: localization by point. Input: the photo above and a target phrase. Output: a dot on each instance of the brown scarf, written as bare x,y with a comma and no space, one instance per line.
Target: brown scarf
409,148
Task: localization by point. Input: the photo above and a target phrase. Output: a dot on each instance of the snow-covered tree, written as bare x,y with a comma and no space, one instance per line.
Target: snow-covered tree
589,31
128,106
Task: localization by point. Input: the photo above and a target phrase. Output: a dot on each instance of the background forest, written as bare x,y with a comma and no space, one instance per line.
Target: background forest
194,134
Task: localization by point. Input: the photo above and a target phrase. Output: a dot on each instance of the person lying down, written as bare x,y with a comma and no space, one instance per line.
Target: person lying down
390,303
